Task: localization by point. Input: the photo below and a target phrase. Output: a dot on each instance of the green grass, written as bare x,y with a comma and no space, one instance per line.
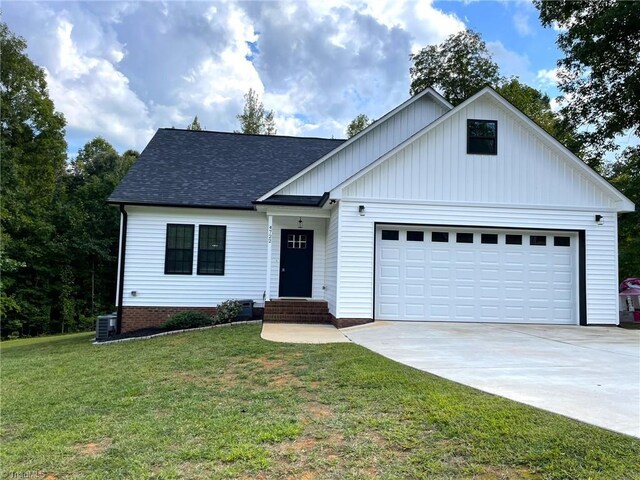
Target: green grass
223,403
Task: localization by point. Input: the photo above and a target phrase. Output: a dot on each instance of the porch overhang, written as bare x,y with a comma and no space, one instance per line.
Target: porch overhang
295,200
293,211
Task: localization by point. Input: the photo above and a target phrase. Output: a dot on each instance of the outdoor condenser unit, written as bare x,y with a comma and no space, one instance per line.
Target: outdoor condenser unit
105,326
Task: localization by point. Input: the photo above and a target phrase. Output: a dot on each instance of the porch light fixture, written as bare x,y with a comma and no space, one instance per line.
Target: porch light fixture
300,222
599,219
361,210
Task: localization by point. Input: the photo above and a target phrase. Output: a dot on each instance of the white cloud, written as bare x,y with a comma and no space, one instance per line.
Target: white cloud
427,24
121,70
510,62
521,23
548,78
93,95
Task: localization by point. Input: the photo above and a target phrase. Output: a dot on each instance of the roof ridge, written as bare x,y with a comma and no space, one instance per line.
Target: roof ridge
251,134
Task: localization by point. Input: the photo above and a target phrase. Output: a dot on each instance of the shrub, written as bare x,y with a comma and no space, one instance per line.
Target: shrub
85,323
182,320
228,311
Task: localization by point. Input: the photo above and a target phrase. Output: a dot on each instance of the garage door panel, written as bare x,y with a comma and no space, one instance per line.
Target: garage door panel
416,254
492,282
465,311
415,272
415,290
514,294
490,293
488,274
465,292
390,272
439,273
389,253
389,290
463,256
562,314
439,291
415,309
489,258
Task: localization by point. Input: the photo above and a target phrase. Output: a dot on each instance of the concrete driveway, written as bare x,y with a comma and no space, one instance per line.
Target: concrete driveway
591,374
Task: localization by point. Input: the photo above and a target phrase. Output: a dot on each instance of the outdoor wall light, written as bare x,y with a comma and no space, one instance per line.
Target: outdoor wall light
300,222
599,219
361,210
134,293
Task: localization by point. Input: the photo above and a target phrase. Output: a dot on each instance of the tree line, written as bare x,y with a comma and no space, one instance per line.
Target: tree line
59,237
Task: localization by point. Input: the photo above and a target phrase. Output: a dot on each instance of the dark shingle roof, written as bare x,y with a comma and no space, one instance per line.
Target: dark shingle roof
213,169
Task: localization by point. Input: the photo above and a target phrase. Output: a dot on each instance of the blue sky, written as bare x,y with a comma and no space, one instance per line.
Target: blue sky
122,70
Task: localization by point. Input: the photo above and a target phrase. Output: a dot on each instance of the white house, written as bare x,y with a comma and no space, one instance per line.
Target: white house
432,213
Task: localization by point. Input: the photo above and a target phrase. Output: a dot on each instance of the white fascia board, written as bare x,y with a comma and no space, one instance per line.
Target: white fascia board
292,211
624,204
427,91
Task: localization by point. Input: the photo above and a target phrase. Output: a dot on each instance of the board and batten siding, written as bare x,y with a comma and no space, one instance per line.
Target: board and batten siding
318,225
525,171
367,149
356,252
245,259
331,261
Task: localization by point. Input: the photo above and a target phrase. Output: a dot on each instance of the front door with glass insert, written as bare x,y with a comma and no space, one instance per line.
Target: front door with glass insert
296,263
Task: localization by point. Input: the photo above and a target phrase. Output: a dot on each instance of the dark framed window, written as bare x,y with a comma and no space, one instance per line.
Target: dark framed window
489,238
464,237
211,247
513,239
561,241
390,235
442,237
178,257
482,137
415,236
537,240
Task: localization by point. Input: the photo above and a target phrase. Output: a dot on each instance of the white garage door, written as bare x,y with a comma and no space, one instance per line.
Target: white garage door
457,274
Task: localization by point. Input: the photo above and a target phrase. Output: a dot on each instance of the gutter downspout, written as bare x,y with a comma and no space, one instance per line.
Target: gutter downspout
123,250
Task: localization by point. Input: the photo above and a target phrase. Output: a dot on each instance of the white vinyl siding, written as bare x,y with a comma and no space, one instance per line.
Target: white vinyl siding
367,149
318,225
526,171
331,269
356,253
245,258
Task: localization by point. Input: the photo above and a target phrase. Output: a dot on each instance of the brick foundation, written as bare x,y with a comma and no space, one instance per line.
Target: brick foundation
296,311
137,318
348,322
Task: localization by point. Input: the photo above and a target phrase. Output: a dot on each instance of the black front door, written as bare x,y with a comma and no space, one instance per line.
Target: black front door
296,263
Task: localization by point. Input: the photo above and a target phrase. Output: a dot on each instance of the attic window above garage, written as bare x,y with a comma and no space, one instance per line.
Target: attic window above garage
482,137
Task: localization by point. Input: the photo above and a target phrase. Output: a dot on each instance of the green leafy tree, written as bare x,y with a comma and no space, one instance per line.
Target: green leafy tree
254,119
33,152
359,123
600,73
459,67
624,174
195,125
91,226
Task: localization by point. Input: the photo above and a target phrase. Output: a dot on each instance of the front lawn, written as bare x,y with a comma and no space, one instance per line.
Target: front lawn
224,403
